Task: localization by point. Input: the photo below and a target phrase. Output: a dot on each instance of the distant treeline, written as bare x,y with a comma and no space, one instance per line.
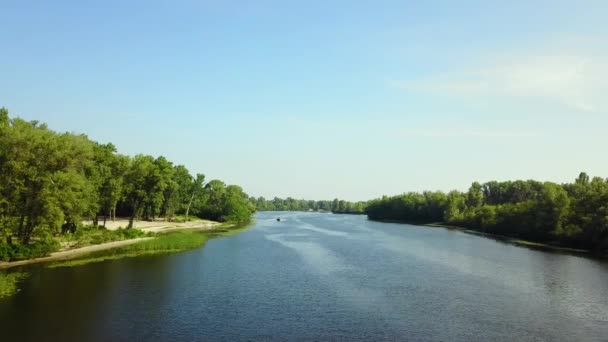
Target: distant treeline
291,204
574,214
50,182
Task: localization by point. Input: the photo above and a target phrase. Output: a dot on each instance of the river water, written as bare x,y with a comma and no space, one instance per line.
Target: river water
320,276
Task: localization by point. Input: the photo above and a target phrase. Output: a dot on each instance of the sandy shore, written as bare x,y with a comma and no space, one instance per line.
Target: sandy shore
158,226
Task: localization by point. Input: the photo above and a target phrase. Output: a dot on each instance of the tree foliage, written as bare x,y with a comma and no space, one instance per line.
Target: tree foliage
291,204
573,214
50,182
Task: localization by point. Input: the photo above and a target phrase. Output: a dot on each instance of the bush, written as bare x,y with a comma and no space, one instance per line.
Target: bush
182,218
93,236
129,233
84,236
5,252
36,249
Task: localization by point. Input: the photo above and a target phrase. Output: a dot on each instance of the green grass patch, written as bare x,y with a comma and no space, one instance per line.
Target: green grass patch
173,241
170,242
8,283
84,236
164,243
182,218
89,235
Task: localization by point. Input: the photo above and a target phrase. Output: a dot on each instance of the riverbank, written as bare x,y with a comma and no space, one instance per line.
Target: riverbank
96,239
170,240
176,240
72,253
512,240
503,238
157,226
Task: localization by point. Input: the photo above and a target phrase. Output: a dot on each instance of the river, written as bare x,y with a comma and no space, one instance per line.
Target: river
316,276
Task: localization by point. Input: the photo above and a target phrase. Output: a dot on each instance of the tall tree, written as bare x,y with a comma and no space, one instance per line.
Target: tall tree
138,184
196,189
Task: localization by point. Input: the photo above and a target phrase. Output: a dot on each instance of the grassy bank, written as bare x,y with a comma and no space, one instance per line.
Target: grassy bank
90,235
157,243
170,242
84,236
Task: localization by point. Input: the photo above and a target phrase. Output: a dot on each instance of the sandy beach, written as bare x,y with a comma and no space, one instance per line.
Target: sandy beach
155,227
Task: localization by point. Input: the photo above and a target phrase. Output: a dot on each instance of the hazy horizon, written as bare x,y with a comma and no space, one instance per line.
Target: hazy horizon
318,100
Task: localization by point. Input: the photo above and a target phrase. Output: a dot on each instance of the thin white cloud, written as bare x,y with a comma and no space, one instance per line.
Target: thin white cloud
574,80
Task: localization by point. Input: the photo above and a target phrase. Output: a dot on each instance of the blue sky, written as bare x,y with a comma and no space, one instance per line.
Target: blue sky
322,99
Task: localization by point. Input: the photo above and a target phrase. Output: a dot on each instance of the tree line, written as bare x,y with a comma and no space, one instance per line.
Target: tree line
291,204
50,182
573,214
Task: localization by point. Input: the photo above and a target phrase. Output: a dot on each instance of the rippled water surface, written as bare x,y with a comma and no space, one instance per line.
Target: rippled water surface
320,277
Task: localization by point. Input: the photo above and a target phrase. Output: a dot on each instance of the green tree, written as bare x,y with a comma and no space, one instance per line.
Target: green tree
4,119
110,171
455,207
48,177
196,189
138,184
474,196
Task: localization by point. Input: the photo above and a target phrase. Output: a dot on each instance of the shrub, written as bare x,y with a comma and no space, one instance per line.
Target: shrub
5,252
36,249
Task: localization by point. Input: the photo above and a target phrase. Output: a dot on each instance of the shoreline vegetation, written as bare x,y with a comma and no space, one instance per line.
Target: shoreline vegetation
503,238
337,206
175,240
169,240
61,194
63,190
94,239
569,217
72,253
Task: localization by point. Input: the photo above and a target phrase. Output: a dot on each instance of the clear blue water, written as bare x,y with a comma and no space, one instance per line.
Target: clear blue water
320,277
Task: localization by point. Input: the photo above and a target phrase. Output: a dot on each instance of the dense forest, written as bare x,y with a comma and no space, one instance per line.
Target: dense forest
290,204
50,182
574,214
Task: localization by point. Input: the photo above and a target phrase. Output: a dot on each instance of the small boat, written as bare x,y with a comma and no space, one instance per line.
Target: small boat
278,219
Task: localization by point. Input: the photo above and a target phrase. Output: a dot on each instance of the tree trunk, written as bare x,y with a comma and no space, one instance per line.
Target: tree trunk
20,230
165,210
132,216
27,233
95,220
113,212
188,209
